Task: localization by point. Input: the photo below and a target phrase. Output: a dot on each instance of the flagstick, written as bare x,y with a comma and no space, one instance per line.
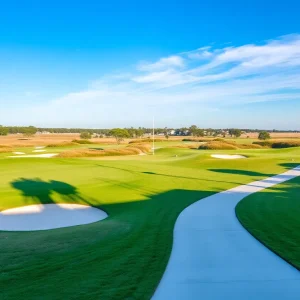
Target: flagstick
153,137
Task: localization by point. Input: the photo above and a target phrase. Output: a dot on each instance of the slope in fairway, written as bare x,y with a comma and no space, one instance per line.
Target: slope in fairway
125,255
273,217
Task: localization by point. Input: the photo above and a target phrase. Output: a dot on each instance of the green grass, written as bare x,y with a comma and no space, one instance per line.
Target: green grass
273,217
125,255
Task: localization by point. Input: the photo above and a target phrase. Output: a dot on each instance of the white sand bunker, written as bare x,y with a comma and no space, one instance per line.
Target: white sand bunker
46,155
226,156
39,150
40,147
19,153
48,216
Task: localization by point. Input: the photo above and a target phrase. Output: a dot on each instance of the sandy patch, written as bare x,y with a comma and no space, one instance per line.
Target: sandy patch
38,150
46,155
19,153
225,156
48,216
39,147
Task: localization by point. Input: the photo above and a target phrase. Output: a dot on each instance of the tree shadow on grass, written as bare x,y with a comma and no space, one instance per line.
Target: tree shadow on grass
167,175
288,166
40,191
241,172
132,246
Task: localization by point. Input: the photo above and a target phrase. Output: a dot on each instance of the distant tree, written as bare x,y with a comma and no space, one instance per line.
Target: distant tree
264,135
198,132
139,132
3,130
29,131
235,132
85,135
193,130
131,132
119,134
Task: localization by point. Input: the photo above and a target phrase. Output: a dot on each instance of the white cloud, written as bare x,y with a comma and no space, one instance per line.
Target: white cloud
165,62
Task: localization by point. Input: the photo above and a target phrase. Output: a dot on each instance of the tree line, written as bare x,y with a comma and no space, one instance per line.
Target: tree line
132,132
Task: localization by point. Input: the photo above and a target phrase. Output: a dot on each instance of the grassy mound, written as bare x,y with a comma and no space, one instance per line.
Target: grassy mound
218,146
147,140
227,145
129,150
273,217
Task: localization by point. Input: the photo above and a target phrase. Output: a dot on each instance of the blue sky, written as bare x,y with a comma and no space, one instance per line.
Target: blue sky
95,64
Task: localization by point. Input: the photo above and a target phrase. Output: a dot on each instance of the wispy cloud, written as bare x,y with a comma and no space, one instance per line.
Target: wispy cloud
165,62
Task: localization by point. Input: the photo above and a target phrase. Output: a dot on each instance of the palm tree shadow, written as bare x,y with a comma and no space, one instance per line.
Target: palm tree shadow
40,191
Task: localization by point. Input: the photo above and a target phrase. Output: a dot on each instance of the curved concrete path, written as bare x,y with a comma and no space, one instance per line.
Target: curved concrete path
215,258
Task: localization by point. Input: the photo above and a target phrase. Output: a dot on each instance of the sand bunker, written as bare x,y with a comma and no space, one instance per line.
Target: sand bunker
38,150
19,153
48,216
46,155
40,147
225,156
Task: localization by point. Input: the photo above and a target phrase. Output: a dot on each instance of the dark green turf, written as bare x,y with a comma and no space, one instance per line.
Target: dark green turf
273,217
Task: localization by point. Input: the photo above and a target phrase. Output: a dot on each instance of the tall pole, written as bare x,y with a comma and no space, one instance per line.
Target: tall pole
153,137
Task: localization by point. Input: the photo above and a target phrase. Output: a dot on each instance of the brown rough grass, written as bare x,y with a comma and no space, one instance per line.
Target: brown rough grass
129,150
63,144
5,149
187,146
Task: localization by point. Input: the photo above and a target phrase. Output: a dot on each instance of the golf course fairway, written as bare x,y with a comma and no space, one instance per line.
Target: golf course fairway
125,255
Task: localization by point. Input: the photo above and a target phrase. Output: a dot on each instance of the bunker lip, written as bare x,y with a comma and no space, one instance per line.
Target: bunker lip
228,156
48,216
46,155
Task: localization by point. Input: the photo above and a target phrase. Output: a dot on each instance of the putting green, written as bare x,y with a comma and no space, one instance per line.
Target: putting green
123,256
273,217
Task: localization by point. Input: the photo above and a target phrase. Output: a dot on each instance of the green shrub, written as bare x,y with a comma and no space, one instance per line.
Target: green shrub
279,143
196,140
287,144
264,143
264,135
82,142
85,135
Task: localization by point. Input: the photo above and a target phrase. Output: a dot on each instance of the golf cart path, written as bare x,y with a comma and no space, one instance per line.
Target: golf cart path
214,257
